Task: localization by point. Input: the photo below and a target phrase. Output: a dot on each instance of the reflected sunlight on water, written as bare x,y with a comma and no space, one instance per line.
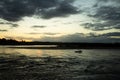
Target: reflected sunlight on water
91,54
60,64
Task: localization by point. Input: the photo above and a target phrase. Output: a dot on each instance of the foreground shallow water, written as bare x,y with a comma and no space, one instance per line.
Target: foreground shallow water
39,64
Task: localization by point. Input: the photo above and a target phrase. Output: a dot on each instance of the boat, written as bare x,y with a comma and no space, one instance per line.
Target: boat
79,51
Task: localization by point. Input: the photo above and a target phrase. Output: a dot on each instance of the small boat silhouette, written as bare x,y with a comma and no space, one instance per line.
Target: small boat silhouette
79,51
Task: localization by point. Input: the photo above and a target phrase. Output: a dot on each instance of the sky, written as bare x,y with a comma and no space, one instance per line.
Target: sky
60,20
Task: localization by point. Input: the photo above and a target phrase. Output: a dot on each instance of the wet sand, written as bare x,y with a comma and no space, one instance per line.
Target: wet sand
20,67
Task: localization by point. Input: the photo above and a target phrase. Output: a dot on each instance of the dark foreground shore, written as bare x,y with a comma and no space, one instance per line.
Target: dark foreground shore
20,67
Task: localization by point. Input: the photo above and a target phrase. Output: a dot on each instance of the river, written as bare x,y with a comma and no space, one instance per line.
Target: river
58,64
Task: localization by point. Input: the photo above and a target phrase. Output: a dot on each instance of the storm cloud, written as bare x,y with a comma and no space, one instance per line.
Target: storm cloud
80,37
112,34
64,9
107,15
15,10
97,26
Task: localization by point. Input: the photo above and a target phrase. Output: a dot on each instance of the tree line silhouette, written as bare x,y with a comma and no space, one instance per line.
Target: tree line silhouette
61,45
5,41
8,41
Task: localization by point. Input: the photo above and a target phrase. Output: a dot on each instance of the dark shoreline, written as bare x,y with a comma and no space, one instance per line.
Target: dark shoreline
65,48
60,45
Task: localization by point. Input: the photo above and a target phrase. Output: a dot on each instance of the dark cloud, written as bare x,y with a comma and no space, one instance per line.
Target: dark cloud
14,25
2,23
107,15
97,26
66,38
64,9
108,0
3,30
36,26
10,24
79,37
112,34
51,33
15,10
44,33
91,37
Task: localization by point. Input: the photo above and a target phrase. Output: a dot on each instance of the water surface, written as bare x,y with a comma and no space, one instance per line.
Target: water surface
60,64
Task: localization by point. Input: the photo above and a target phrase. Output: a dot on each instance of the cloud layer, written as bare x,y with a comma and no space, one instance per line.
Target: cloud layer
15,10
36,26
11,24
3,30
80,37
97,16
106,14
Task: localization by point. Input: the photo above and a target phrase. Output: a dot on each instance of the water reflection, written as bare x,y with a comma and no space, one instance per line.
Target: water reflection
86,53
39,64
